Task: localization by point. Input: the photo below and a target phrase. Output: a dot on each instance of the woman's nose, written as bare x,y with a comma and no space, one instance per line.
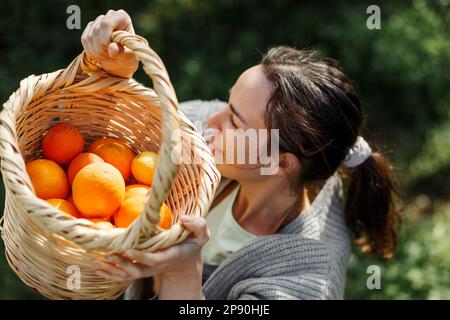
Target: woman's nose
214,127
214,121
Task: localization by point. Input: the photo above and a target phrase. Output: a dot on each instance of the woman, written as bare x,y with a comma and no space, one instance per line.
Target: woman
279,236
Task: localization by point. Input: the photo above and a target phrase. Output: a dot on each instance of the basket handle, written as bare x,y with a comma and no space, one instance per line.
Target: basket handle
167,169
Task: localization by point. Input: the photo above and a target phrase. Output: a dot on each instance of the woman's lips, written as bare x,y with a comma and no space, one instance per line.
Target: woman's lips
211,143
213,147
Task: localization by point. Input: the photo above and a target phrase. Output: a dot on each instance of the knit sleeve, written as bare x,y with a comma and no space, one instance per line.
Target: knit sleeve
300,287
278,268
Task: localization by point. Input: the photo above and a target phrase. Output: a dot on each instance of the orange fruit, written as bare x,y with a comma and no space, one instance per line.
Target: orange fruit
136,189
62,143
48,178
97,220
70,200
79,162
114,152
143,166
65,206
98,190
133,206
165,217
136,185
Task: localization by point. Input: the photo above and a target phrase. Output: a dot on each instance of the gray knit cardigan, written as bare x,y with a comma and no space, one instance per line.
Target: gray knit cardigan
305,259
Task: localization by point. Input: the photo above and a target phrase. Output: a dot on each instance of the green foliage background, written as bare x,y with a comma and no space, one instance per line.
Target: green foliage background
400,71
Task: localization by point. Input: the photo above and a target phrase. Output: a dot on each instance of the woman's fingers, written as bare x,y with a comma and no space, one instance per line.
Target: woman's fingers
113,50
110,276
111,269
120,269
118,20
134,270
125,21
106,28
151,260
197,226
135,264
113,20
165,259
84,34
86,38
96,48
96,40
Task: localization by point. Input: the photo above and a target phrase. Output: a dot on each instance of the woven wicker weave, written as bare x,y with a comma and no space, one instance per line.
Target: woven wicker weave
44,245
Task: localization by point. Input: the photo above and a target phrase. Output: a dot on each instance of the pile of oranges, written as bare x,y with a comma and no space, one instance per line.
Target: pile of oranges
106,185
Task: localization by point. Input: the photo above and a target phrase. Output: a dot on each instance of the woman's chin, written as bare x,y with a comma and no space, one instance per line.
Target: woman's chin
226,171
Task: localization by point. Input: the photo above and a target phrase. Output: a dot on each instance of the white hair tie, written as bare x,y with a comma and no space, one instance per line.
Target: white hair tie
358,153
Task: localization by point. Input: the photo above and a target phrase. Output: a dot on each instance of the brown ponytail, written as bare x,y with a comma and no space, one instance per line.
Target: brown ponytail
370,206
318,113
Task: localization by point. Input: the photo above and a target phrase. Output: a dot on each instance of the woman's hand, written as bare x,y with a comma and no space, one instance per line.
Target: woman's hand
96,40
180,264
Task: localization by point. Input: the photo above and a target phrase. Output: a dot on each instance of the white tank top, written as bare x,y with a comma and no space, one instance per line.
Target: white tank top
227,236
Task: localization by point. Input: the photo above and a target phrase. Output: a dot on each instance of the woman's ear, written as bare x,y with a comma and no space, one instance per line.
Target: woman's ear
288,163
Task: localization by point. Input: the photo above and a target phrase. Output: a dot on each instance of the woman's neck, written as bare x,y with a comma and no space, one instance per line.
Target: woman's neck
262,209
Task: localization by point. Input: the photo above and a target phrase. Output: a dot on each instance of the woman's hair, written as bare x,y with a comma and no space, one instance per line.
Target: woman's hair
317,111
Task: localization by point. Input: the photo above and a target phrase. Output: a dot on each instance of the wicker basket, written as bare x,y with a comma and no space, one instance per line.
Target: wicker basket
44,246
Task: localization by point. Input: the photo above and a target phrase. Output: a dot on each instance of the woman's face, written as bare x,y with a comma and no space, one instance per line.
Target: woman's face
245,110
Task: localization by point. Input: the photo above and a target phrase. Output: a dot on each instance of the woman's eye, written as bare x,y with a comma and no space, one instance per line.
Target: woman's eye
232,121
